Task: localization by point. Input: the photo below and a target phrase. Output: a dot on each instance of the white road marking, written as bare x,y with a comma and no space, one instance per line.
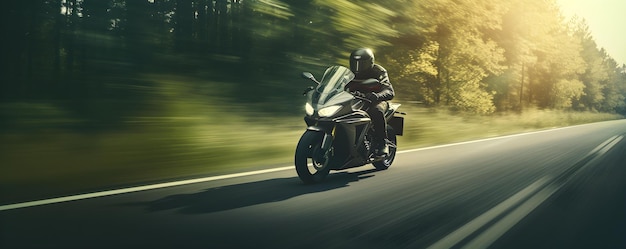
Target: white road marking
610,145
487,139
530,197
135,189
494,232
473,226
599,147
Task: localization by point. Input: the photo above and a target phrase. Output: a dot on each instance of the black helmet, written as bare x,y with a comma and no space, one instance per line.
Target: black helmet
361,60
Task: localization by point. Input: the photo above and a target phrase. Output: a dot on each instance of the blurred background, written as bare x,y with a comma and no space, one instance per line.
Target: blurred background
99,93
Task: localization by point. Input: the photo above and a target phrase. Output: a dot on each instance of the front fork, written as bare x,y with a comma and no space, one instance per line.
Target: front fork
325,152
327,141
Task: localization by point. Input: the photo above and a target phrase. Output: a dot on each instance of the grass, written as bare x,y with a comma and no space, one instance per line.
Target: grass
437,126
193,137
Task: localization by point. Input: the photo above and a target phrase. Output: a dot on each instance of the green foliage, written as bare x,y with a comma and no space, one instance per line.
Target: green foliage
479,56
360,24
422,71
452,64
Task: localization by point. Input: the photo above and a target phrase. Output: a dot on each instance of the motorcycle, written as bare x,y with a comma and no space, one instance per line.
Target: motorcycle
340,133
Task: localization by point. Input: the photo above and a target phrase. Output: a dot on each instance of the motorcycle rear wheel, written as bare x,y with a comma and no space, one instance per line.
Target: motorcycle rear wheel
310,161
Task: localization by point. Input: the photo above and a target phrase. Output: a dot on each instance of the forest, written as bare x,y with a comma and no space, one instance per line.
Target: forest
89,60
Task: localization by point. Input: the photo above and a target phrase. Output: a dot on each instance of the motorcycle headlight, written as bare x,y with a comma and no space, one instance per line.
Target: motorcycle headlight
329,111
308,109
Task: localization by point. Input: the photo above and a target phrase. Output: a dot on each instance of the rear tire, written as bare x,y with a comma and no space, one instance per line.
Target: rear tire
393,147
311,170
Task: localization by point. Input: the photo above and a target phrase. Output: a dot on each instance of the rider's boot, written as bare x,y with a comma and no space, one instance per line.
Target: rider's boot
381,148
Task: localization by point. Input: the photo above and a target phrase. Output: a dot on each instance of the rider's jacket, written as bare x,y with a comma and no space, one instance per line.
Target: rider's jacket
383,90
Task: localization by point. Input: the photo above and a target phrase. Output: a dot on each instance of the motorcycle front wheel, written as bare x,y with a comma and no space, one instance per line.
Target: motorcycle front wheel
311,161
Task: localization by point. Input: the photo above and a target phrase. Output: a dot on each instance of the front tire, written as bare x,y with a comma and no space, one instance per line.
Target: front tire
393,147
310,161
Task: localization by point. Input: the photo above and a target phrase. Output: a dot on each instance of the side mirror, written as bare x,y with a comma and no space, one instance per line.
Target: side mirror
307,75
310,76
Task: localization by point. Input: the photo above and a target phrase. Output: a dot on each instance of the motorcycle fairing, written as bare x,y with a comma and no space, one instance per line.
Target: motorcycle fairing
351,132
321,100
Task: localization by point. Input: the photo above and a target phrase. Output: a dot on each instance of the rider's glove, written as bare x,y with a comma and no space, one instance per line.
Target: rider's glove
359,94
372,97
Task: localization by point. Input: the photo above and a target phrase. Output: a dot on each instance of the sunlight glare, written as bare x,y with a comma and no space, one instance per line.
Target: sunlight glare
605,18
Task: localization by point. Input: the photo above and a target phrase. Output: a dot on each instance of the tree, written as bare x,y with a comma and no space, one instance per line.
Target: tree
480,56
356,24
614,89
595,75
465,56
423,70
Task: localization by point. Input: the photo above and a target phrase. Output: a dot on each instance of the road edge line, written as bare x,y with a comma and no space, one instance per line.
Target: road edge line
135,189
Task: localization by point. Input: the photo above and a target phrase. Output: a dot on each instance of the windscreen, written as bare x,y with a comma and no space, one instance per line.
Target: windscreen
333,82
335,79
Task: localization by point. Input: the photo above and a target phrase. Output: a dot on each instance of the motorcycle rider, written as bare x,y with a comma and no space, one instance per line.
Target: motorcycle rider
363,66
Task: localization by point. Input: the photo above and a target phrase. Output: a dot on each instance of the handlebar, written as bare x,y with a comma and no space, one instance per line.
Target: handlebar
307,90
360,97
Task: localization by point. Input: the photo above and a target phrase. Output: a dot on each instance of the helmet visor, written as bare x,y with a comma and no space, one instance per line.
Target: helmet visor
357,65
360,63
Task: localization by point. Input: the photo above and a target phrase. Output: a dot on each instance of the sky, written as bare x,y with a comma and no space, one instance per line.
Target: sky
606,20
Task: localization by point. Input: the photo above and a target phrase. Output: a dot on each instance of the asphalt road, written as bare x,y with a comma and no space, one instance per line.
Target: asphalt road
562,188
